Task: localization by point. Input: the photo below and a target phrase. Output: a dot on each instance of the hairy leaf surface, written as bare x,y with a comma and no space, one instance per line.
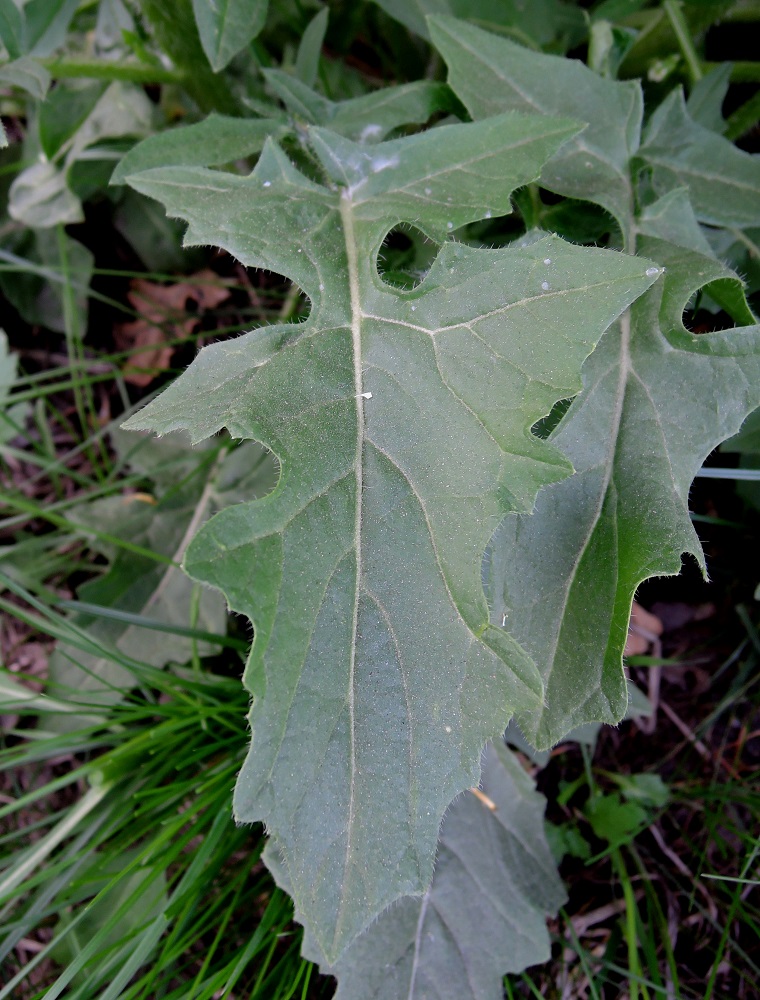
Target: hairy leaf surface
401,423
723,181
566,576
491,74
216,140
484,914
656,399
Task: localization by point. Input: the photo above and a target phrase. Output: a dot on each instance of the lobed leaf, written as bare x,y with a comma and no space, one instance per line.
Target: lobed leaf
656,400
491,75
401,421
565,577
484,913
723,181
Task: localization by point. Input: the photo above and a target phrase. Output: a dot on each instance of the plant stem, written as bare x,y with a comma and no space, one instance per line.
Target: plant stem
683,34
106,69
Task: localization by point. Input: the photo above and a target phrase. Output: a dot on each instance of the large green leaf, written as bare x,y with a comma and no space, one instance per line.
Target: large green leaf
723,181
656,400
227,26
484,913
491,75
401,422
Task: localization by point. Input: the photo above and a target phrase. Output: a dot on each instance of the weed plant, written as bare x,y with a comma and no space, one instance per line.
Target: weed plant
122,871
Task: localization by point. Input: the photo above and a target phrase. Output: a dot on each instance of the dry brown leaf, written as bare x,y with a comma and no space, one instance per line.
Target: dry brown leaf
163,319
644,630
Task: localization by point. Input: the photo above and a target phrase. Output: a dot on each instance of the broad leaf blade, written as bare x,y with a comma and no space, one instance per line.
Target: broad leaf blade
484,913
672,218
401,422
216,140
491,75
227,26
656,401
723,181
368,118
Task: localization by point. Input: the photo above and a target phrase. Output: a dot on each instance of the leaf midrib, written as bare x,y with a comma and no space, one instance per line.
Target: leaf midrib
347,218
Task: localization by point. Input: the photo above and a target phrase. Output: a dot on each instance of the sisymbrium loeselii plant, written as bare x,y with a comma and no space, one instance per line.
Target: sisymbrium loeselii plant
478,465
407,600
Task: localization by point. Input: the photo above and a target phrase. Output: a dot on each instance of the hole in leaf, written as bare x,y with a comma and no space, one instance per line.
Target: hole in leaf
578,221
493,231
543,427
405,257
719,305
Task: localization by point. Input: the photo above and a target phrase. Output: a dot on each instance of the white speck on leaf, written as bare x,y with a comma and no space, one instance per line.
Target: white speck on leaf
652,271
369,132
383,163
547,260
267,184
545,285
